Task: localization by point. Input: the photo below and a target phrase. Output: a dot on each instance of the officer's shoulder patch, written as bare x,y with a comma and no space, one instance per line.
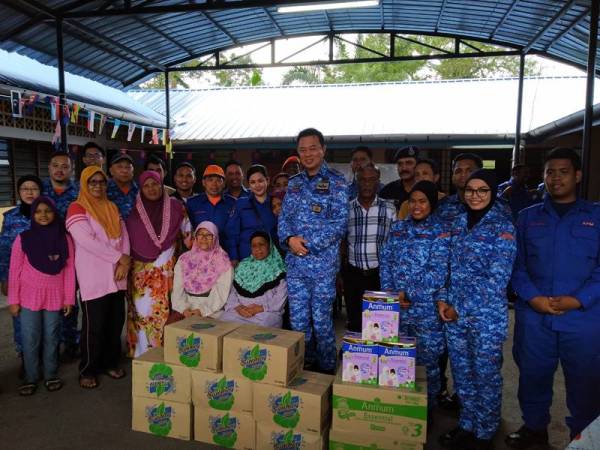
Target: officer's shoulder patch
335,172
506,235
295,177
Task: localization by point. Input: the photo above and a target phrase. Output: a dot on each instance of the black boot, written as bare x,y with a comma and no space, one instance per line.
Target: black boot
449,402
457,439
526,438
482,444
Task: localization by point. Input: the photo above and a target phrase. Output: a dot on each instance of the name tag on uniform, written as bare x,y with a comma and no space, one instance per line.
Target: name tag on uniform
316,208
323,186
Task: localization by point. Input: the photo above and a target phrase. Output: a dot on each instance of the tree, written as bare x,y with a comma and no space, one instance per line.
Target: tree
227,78
409,70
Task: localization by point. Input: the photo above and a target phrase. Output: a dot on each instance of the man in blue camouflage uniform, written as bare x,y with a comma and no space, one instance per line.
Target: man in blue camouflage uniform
312,223
483,248
121,189
557,313
463,166
63,191
59,186
218,208
414,262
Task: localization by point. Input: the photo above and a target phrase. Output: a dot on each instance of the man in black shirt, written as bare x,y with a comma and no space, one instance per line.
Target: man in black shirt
406,160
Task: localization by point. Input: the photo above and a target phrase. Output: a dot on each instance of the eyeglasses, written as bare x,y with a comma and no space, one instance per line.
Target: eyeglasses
32,190
97,183
481,192
206,236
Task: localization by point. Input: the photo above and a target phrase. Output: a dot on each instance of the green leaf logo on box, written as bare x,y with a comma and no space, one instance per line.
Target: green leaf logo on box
161,380
224,430
264,336
220,394
285,409
254,362
286,441
159,419
189,350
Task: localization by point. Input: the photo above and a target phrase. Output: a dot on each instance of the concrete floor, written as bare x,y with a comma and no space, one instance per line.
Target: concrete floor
74,418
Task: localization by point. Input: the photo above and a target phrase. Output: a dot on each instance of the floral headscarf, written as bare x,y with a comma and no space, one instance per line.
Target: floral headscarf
202,268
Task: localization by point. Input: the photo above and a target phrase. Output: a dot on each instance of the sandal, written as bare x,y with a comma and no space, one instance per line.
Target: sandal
53,384
27,389
88,382
116,374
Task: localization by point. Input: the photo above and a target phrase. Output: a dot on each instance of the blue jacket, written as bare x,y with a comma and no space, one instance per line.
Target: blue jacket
559,256
125,202
254,216
63,200
519,199
13,224
481,262
414,259
222,214
317,209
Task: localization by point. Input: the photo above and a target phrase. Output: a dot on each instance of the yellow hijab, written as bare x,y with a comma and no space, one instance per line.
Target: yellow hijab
102,210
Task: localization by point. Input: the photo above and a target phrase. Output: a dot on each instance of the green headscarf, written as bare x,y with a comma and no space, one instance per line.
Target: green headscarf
253,277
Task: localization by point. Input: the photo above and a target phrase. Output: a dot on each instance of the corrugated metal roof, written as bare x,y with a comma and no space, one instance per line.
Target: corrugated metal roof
21,72
118,49
382,111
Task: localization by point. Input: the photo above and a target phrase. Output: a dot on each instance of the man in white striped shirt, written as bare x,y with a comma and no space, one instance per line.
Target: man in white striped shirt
369,221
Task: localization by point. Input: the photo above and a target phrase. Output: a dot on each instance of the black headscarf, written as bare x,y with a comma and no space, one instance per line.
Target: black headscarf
489,177
46,245
24,207
429,189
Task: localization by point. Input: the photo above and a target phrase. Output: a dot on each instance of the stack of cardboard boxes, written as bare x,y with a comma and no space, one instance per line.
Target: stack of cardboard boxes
236,386
379,396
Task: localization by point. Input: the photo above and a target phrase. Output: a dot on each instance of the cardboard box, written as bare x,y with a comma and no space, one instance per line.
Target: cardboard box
381,411
162,418
304,405
272,437
197,342
222,392
380,316
224,428
268,355
153,378
347,440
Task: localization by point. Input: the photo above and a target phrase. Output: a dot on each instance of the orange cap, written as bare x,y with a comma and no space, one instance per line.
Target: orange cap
213,169
291,159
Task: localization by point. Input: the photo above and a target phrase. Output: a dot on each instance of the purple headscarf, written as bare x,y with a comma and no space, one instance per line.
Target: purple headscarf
46,246
153,225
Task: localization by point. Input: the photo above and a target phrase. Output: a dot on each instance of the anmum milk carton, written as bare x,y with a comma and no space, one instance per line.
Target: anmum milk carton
380,316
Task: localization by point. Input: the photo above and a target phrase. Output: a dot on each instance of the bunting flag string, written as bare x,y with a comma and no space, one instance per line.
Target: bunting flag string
143,134
66,115
115,128
130,131
154,136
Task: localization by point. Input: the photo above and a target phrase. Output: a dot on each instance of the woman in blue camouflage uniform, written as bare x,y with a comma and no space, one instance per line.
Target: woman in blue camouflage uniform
16,221
414,262
482,253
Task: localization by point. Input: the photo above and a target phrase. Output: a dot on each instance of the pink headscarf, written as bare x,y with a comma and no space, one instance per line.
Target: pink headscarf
202,268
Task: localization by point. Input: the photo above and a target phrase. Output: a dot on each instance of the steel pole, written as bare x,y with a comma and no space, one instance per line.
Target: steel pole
589,99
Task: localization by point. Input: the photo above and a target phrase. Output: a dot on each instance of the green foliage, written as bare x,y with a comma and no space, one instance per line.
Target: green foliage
408,70
239,77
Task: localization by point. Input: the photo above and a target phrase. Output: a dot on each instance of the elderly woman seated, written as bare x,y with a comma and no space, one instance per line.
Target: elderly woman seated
202,276
259,288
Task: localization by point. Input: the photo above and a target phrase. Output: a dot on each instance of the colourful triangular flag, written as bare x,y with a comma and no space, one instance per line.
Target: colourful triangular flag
143,134
102,123
75,113
115,128
155,136
57,133
91,118
130,131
